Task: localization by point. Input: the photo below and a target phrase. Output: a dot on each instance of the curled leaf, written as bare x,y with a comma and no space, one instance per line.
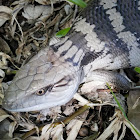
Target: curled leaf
5,14
32,12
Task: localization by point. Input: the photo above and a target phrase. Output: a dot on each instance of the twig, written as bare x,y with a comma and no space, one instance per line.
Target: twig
67,120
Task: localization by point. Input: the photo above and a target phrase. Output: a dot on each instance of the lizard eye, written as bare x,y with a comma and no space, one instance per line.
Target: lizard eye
40,92
44,90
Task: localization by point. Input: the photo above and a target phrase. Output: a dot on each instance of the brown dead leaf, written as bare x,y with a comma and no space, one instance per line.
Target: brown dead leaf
45,135
3,115
57,132
44,2
74,127
133,102
33,138
5,14
12,128
32,12
4,47
3,61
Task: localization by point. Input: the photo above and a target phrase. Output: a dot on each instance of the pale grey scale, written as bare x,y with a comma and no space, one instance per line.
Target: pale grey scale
20,93
41,54
16,95
78,57
21,74
38,60
39,76
44,68
78,40
21,84
31,103
24,97
25,84
32,71
71,53
32,77
57,46
36,63
8,97
11,106
14,87
24,70
113,78
95,14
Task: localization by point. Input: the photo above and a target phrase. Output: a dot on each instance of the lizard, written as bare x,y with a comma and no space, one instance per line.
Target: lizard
105,38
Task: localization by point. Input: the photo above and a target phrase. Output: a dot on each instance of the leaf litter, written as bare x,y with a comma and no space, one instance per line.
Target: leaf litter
26,26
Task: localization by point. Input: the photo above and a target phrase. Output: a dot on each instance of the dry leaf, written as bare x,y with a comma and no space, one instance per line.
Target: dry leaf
3,61
5,14
32,12
75,126
33,138
44,2
4,129
132,129
3,115
57,132
12,128
133,102
116,125
46,132
2,74
4,47
27,125
4,126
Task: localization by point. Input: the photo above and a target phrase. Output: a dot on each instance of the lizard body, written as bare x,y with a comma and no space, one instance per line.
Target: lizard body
105,37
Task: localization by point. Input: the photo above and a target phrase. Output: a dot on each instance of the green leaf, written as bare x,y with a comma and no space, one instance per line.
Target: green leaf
62,32
118,103
137,69
80,3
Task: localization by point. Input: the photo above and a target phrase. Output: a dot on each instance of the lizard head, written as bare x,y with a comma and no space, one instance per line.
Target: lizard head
45,81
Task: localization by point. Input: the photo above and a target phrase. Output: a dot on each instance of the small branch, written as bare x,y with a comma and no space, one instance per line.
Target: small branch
67,120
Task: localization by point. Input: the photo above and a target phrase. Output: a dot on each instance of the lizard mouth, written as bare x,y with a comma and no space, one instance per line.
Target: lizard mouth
36,105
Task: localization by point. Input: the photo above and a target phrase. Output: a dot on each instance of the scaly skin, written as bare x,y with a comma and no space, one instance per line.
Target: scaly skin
106,37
